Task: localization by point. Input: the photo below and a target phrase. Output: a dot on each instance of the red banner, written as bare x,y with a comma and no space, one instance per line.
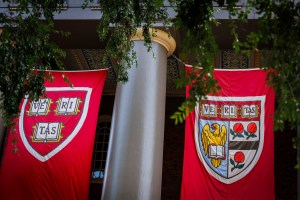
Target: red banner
54,137
229,141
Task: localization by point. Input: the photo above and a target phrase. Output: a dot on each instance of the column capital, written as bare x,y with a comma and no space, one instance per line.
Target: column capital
158,36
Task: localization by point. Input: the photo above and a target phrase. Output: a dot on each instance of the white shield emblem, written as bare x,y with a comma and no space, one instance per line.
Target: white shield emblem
229,135
48,125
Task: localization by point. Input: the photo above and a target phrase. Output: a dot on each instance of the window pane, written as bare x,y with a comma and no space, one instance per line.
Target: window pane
100,148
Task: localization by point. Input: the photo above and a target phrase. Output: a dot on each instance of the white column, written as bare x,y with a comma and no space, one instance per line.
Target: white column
134,163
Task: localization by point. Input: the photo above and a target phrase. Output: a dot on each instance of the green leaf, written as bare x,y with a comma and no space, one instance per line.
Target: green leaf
240,166
176,121
183,115
232,162
232,132
173,116
181,108
180,119
15,150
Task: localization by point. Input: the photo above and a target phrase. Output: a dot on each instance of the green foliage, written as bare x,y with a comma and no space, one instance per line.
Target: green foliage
283,19
25,45
196,19
278,40
125,17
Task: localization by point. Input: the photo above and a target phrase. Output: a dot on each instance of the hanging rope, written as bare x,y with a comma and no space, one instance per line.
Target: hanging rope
180,61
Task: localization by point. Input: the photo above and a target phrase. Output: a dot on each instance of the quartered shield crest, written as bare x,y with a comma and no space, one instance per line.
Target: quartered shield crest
229,135
49,124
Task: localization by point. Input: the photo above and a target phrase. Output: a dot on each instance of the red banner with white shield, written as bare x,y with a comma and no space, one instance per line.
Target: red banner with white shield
229,148
54,138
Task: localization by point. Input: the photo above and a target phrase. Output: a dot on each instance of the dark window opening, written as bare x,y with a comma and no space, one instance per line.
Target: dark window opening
100,149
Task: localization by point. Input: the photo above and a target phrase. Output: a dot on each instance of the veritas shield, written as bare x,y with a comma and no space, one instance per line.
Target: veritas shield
49,124
229,135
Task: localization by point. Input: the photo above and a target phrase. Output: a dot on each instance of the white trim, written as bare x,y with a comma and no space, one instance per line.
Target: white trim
70,137
261,141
